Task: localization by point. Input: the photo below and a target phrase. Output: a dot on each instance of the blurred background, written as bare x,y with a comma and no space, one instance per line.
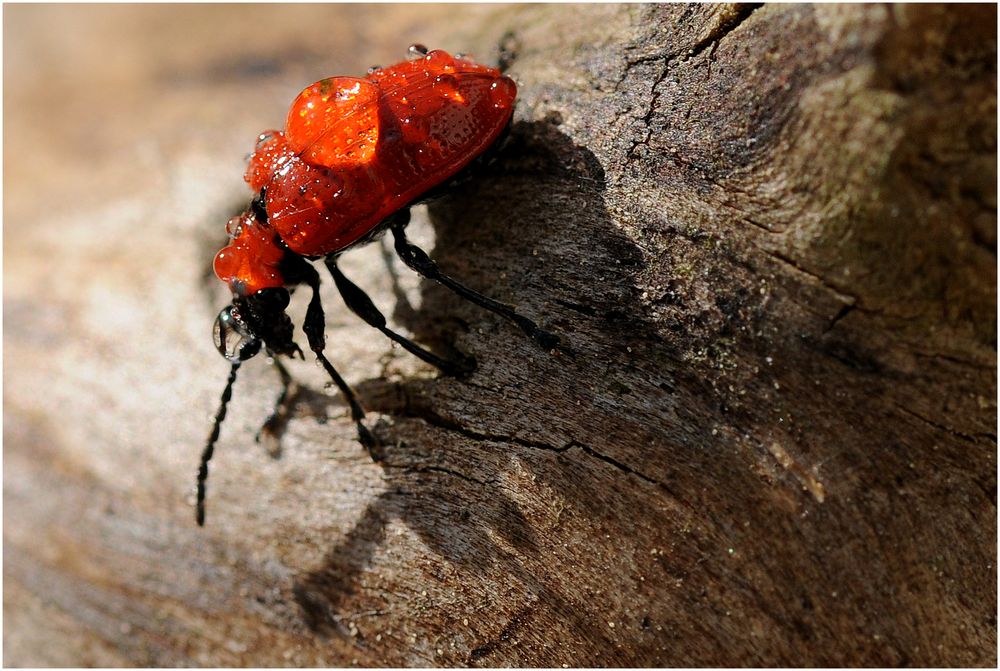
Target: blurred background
125,133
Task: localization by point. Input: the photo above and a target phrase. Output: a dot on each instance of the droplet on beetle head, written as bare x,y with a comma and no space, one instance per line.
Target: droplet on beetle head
233,227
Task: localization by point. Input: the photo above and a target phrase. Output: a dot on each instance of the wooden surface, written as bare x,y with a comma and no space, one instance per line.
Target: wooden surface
769,235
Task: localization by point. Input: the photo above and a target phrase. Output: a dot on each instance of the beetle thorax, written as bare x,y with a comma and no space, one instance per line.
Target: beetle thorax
252,259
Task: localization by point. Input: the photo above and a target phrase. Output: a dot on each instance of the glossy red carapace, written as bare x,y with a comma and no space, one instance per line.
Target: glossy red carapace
356,150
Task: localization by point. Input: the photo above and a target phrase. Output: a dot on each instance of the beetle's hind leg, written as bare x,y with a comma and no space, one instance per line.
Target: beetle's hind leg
418,260
361,305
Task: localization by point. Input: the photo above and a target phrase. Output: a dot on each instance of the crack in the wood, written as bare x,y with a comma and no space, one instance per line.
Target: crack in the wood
515,623
577,307
752,222
434,419
843,295
424,468
743,12
617,464
954,359
712,39
841,313
437,420
941,427
647,118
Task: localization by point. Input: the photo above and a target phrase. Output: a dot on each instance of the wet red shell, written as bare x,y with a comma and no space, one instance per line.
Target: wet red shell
356,150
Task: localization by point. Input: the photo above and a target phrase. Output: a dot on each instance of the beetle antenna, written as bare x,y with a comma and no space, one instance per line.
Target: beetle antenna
213,436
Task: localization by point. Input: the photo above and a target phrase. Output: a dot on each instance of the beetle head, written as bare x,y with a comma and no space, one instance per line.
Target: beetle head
254,321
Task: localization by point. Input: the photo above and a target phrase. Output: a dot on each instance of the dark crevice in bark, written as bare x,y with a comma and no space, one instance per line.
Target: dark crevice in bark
841,313
743,12
423,468
647,118
941,427
617,464
840,292
434,419
418,411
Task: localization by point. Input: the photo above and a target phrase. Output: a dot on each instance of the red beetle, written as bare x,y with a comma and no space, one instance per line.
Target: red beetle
355,154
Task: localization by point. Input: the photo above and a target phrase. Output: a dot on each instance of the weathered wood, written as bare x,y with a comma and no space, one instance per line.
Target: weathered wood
768,234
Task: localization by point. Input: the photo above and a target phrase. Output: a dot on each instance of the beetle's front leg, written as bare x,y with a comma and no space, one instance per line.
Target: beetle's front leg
275,423
315,330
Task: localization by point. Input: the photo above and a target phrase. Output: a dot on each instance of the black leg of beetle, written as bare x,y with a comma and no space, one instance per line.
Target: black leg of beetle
275,422
361,305
418,260
315,329
259,207
206,454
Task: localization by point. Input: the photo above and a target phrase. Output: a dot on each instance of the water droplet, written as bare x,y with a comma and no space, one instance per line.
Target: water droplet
439,61
502,93
447,86
349,92
233,227
265,138
416,52
373,69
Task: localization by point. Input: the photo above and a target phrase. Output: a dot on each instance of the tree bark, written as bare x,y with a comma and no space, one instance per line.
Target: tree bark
767,235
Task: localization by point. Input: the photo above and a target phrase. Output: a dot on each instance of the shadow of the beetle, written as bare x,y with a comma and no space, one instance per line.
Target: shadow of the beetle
454,502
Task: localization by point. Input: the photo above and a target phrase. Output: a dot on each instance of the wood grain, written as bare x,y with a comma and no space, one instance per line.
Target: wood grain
767,233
